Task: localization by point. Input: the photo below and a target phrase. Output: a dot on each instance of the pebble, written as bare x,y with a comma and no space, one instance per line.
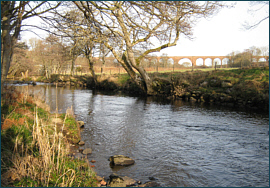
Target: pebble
81,143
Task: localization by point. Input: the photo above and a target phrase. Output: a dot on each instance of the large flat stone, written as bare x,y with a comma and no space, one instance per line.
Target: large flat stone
87,151
121,160
119,181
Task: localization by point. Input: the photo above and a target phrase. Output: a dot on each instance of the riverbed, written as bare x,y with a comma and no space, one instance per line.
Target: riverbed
178,143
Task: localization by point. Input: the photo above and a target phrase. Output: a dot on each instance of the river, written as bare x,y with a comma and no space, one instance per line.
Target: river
178,143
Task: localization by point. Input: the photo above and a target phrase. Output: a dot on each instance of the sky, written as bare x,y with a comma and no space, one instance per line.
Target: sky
221,34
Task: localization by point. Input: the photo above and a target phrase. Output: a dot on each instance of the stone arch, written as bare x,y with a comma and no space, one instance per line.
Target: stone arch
145,62
217,60
186,62
171,61
225,61
254,60
208,62
155,60
199,61
262,59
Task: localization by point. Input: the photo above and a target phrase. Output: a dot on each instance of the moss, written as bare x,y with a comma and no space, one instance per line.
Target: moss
73,129
123,78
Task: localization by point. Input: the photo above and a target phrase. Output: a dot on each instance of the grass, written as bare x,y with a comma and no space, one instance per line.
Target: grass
34,151
123,78
70,124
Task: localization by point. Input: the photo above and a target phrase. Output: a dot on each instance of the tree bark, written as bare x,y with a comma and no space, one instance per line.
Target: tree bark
7,48
91,67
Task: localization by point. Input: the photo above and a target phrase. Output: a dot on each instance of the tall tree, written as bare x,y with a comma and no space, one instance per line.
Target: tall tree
13,13
148,26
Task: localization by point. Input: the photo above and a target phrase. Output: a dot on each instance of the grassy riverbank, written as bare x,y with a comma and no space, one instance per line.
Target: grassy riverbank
35,145
247,87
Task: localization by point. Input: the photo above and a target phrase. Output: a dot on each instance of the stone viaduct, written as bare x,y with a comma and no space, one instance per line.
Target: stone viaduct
193,59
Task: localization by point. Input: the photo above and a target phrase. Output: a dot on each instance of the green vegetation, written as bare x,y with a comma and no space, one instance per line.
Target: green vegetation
34,150
123,78
73,130
244,87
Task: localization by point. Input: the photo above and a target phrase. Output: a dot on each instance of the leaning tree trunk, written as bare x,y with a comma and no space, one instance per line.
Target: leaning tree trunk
142,80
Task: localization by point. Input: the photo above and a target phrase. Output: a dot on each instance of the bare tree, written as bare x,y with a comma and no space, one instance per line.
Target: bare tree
20,61
255,7
127,26
13,13
50,55
79,34
67,24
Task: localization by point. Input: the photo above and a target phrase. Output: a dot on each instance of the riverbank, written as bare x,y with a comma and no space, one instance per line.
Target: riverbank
248,87
35,145
40,149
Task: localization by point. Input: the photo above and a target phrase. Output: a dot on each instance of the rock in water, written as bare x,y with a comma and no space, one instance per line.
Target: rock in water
152,178
81,124
118,181
150,184
87,151
121,160
81,143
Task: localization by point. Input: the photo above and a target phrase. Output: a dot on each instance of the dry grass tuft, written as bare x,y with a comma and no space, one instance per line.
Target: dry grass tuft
36,155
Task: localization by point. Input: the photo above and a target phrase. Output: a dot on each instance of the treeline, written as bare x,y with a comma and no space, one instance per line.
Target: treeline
252,57
52,56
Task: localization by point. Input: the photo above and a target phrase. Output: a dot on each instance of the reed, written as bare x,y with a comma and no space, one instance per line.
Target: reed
38,156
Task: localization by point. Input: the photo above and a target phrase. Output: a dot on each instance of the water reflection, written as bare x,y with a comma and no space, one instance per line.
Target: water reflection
179,143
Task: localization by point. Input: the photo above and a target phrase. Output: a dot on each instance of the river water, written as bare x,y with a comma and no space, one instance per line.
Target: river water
178,143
